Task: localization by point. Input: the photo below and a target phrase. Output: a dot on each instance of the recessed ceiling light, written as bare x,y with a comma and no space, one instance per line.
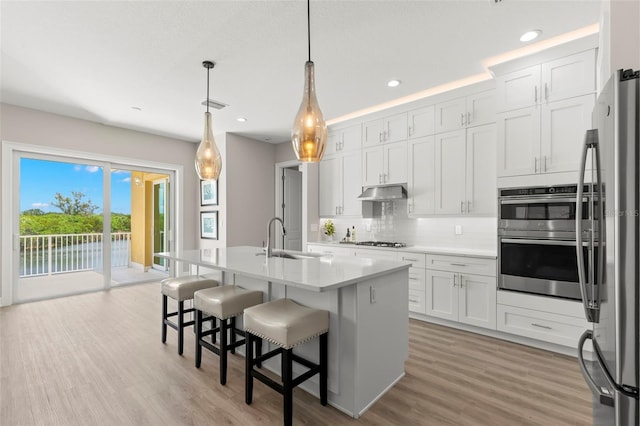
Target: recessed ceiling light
393,83
241,119
135,108
530,35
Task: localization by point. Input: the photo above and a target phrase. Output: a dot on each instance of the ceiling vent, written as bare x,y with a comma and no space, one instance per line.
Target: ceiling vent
214,104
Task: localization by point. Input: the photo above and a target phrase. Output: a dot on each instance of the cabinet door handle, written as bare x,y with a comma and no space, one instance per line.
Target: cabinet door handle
410,130
546,327
413,279
546,91
409,259
535,94
454,280
414,301
468,118
468,206
461,206
380,178
458,264
461,283
545,163
535,165
461,119
380,137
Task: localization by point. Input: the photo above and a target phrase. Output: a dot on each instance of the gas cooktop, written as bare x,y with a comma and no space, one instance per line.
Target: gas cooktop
381,244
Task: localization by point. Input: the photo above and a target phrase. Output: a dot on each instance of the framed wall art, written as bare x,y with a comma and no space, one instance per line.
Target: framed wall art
209,225
208,192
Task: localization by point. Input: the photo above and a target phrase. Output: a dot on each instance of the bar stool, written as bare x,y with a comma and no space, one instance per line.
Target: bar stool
286,324
223,303
180,289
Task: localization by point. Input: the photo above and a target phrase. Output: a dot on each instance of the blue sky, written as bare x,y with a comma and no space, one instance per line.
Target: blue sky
40,180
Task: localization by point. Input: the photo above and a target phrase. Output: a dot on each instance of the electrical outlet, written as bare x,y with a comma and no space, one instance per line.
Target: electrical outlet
314,227
372,295
458,230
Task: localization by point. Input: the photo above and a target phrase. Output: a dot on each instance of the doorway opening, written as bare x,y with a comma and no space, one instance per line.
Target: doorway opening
290,205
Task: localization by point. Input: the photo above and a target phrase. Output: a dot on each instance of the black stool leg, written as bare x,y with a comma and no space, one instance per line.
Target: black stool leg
180,327
232,336
214,324
287,376
258,342
323,367
248,377
164,318
198,328
223,350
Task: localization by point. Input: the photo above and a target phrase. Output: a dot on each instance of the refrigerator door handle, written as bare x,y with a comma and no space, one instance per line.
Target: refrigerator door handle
604,396
589,301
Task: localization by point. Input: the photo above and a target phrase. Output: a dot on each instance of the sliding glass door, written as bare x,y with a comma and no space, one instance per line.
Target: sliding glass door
88,225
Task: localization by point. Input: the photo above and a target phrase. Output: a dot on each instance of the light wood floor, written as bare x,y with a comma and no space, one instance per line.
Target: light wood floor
97,359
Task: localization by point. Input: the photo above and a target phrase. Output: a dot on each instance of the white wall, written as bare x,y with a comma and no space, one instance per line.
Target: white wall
27,126
619,39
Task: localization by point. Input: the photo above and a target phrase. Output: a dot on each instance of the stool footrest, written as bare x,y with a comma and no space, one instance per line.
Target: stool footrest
268,381
304,376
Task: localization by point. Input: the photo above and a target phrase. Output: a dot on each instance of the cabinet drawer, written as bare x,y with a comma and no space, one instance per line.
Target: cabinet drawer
377,254
416,301
468,265
553,328
418,260
417,278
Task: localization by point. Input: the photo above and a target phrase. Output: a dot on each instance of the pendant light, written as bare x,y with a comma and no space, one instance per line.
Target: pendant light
309,133
208,159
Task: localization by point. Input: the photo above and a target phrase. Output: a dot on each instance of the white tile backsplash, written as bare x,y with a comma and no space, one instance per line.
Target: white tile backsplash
394,225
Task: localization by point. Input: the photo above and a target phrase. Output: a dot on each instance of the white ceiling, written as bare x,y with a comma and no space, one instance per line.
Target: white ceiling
97,59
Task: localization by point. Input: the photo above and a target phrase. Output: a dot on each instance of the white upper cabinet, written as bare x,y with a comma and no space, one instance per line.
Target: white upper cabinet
339,185
480,187
450,172
421,179
451,115
344,139
564,124
421,122
385,164
472,110
562,78
465,177
385,130
545,111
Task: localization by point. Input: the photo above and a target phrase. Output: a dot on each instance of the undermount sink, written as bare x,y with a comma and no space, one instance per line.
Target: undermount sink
288,255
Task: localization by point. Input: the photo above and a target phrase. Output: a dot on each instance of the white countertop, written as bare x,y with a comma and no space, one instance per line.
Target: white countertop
321,273
462,251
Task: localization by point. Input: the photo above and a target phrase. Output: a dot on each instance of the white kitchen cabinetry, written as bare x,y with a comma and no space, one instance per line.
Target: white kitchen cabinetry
333,250
545,111
344,139
421,122
465,179
385,130
562,78
340,184
543,318
421,179
417,280
473,110
461,289
543,139
385,164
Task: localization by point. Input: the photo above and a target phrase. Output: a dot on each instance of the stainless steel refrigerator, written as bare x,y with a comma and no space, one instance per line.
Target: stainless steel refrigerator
610,270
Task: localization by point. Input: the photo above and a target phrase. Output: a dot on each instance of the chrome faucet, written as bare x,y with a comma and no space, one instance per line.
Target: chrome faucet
284,232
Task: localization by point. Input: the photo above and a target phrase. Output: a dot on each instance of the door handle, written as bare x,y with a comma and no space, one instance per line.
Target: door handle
461,281
605,398
461,119
535,94
461,206
546,327
454,280
546,91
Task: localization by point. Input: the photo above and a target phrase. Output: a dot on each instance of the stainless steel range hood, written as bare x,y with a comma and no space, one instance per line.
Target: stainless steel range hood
383,193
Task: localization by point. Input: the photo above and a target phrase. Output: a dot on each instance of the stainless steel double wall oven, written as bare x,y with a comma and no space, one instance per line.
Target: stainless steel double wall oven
537,239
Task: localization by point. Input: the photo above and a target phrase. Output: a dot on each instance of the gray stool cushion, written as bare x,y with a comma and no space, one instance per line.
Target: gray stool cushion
182,288
285,323
226,301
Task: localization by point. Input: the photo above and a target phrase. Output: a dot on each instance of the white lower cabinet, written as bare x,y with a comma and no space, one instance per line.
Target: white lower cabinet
454,294
330,250
542,318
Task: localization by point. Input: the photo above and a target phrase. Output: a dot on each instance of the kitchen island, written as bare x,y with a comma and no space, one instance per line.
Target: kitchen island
367,304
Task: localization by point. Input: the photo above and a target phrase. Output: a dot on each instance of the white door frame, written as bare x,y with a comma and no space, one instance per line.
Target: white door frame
279,196
167,230
11,153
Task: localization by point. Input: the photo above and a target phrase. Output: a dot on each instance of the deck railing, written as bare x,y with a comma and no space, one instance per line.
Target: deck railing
61,253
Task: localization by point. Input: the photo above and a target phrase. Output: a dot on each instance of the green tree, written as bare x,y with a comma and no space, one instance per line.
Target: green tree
75,206
33,212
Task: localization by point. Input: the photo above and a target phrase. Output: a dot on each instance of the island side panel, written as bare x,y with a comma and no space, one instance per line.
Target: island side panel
382,328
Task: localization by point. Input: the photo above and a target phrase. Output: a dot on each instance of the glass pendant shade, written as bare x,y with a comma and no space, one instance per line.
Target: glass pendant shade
309,133
208,159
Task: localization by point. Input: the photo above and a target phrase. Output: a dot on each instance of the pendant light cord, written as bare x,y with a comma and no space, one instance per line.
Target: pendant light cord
309,30
207,101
